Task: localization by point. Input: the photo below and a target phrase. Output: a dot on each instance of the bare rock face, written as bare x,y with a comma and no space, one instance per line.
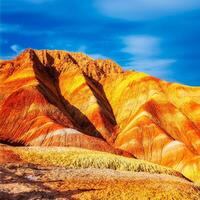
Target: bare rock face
58,98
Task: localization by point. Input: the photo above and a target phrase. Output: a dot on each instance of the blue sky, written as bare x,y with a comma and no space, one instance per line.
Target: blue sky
161,38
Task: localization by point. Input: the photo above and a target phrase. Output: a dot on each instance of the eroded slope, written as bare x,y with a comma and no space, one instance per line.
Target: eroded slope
57,98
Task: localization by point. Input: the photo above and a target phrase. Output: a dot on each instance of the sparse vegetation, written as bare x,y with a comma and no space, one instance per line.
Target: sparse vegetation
82,158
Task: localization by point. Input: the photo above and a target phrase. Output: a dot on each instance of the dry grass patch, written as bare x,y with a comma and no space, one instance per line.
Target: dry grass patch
81,158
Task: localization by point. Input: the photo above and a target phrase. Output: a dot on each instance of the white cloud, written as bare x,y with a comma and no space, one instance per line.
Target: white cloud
16,48
156,67
145,9
145,52
141,45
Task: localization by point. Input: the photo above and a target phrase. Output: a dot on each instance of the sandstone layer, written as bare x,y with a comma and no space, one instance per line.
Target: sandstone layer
58,98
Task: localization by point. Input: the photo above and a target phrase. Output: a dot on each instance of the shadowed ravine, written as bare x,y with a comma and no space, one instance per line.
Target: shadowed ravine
76,116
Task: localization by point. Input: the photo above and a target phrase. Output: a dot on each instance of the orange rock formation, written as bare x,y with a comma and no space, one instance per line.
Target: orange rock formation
58,98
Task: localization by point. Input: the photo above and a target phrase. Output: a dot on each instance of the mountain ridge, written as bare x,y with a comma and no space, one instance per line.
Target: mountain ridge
58,98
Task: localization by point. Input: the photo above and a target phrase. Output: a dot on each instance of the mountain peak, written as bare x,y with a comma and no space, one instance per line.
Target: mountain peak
64,61
60,98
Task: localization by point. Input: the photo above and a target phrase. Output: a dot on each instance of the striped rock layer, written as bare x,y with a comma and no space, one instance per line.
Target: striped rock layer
58,98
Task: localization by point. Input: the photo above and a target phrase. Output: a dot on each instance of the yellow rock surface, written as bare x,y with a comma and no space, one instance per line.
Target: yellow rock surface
58,98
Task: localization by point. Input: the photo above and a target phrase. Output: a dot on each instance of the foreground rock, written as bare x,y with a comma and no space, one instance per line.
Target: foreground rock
71,173
33,182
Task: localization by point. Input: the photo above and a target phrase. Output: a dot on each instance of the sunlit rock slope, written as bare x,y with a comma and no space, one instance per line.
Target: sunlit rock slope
58,98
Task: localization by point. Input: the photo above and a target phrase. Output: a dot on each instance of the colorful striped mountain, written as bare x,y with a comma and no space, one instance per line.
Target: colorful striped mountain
66,99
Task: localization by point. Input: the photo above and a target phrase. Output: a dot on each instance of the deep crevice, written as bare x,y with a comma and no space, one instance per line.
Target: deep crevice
78,119
11,143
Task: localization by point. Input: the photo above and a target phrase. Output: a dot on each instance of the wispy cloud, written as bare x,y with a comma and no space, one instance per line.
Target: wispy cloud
145,55
141,45
145,9
163,34
156,67
16,48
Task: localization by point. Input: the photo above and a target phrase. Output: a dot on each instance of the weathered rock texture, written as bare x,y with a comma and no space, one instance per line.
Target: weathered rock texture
75,173
57,98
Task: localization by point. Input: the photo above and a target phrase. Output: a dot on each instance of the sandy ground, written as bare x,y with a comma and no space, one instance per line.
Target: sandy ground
28,181
36,175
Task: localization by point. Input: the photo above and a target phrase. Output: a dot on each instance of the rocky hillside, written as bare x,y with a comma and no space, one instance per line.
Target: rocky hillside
58,98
